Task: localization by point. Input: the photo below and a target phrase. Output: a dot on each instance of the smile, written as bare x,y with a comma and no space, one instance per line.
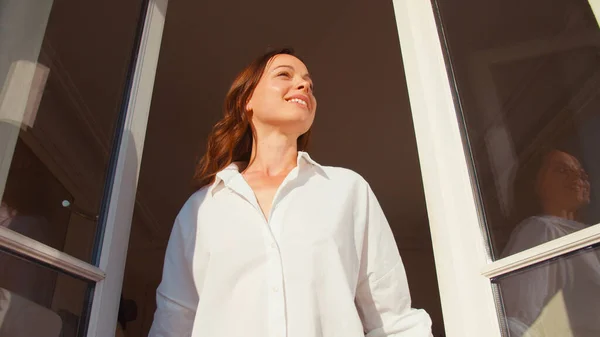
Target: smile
298,100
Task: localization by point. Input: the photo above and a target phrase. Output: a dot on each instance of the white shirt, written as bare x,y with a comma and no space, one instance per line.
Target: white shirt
325,264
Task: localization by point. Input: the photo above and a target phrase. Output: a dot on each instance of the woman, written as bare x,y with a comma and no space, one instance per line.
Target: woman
272,243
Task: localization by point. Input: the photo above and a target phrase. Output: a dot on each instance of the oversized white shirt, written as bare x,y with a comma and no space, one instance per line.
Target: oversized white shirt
325,263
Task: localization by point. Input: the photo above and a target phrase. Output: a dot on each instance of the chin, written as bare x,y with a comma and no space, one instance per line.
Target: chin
297,125
297,130
581,202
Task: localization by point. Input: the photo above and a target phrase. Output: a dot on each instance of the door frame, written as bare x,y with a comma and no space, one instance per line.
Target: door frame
466,294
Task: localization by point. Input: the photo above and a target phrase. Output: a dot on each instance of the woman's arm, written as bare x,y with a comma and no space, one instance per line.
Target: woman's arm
382,297
177,296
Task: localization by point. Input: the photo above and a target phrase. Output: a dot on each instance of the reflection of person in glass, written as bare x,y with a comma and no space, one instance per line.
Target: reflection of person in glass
562,188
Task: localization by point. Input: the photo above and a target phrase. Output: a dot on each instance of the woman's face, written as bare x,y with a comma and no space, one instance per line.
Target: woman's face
283,98
563,181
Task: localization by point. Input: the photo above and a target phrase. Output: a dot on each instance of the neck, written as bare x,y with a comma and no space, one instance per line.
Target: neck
560,212
273,155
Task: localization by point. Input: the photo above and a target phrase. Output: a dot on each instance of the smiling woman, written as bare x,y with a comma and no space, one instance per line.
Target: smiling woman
274,244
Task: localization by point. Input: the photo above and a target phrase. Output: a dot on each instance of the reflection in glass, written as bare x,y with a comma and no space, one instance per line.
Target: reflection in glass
556,298
37,301
63,70
556,186
528,78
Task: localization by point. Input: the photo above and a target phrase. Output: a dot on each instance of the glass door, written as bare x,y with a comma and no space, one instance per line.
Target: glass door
528,93
505,98
75,79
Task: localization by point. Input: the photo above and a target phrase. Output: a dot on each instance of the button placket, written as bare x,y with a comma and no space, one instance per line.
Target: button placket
278,323
277,298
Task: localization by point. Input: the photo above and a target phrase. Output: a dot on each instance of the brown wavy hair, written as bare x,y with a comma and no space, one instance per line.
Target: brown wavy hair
231,139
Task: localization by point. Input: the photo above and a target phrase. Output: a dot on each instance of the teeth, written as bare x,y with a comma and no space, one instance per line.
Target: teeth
297,100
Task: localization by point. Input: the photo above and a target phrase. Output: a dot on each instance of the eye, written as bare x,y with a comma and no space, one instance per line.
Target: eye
284,74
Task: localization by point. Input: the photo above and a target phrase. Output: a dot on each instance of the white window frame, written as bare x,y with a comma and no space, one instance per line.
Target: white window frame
462,257
105,304
466,295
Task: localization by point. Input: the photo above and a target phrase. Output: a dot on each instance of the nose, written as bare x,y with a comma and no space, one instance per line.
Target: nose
303,85
579,175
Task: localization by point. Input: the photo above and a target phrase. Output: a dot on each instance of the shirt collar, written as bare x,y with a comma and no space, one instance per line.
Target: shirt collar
304,162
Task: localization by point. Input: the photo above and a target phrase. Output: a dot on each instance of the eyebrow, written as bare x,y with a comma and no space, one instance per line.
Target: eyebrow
306,77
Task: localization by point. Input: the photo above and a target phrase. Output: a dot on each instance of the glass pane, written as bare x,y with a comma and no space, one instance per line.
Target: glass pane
555,298
63,70
38,301
528,81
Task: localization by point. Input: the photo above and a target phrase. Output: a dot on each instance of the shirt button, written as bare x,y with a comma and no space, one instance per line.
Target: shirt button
275,289
273,245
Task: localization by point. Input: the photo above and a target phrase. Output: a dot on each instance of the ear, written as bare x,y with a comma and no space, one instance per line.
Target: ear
249,104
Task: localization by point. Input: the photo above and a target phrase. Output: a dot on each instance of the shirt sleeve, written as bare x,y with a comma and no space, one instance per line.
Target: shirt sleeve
176,296
382,296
